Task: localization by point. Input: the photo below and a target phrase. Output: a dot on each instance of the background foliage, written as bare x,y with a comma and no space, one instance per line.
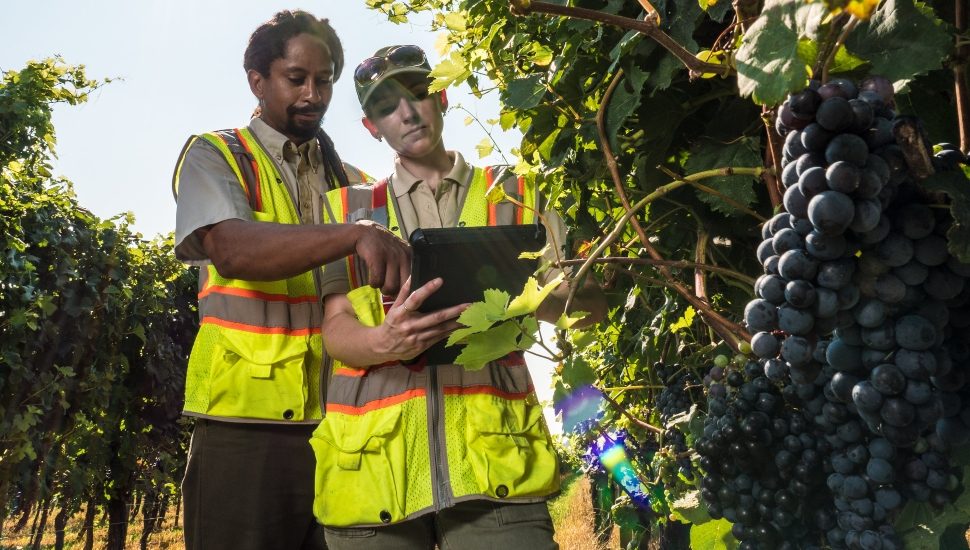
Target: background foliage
95,328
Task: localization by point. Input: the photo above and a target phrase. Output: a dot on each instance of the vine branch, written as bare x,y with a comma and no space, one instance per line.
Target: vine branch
645,27
676,264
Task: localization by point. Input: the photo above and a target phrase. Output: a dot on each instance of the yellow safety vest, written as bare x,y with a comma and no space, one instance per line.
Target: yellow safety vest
258,354
399,441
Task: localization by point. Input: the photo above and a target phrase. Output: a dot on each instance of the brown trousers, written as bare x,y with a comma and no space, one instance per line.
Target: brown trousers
250,487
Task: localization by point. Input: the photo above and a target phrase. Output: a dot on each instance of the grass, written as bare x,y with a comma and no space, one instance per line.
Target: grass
571,512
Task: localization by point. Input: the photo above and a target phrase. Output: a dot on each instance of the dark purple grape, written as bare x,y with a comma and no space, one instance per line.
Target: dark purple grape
888,379
847,147
867,216
761,315
814,137
835,114
785,240
915,333
842,176
797,264
835,274
771,288
866,397
830,212
812,182
795,202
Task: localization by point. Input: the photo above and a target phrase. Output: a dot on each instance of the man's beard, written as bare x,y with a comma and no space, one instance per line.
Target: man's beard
304,130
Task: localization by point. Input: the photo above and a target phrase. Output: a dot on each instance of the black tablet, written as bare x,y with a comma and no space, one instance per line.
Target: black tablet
471,260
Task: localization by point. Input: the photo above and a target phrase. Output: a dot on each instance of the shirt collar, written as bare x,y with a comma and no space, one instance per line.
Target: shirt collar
404,181
276,144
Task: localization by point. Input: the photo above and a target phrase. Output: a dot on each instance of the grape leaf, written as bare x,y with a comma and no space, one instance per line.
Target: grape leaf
489,345
902,39
625,100
448,72
568,320
921,526
685,321
689,509
712,535
525,93
708,153
532,295
769,62
481,316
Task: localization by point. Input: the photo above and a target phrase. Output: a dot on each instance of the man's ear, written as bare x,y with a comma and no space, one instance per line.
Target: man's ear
444,101
256,82
370,127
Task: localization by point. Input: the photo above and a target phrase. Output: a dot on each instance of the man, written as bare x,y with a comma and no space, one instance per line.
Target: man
412,455
250,212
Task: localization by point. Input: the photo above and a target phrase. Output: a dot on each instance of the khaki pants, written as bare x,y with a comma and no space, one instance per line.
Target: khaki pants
475,525
250,487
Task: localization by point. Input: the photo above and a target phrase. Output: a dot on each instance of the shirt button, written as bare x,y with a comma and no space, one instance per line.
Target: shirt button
501,491
288,414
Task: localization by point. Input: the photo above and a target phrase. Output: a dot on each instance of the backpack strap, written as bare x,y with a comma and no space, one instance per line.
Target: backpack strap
246,163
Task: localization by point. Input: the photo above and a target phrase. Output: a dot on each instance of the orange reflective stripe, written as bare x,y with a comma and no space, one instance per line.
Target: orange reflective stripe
258,329
519,211
492,207
352,373
247,293
378,404
486,390
252,162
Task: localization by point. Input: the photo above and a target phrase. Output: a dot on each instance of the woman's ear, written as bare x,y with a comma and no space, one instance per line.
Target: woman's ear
371,128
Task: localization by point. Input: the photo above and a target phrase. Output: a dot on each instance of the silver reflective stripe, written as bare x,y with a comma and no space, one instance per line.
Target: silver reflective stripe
358,391
262,313
512,381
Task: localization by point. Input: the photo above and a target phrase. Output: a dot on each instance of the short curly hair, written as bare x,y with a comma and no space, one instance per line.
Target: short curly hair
268,41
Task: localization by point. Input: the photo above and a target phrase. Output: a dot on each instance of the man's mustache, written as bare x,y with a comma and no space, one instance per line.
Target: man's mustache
308,110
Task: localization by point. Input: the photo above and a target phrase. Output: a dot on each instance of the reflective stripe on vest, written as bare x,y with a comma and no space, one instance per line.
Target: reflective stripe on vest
258,354
405,440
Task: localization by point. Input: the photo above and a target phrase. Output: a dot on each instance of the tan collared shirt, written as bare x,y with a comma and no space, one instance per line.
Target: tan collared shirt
420,207
209,191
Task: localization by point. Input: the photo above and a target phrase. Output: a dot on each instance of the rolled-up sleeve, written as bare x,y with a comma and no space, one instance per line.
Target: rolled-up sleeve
208,193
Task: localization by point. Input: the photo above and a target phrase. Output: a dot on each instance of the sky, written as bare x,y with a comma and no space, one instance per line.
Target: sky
177,70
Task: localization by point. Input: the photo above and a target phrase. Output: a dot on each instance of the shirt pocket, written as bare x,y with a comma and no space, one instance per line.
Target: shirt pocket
360,472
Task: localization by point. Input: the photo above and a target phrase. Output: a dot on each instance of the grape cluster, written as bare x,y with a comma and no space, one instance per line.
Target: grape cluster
681,388
763,465
861,322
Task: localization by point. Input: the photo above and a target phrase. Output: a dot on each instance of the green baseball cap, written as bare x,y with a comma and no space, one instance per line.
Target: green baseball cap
388,62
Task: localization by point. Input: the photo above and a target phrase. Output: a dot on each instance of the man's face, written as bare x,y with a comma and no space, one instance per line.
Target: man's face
402,112
298,89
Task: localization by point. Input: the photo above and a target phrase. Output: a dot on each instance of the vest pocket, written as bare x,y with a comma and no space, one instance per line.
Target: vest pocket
508,448
258,377
361,458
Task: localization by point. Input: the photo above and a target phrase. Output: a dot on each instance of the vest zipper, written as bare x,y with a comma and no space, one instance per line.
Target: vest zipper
439,479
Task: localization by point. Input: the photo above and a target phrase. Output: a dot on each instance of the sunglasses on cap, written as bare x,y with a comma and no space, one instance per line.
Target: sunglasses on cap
372,68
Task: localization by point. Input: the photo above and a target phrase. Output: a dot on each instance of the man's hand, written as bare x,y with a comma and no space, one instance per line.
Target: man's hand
387,257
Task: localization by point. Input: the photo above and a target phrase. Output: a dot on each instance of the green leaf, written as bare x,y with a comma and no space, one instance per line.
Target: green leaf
685,322
688,508
712,535
566,321
769,62
707,154
534,255
490,345
481,315
902,39
454,21
921,526
525,93
485,147
532,295
956,185
625,101
448,72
